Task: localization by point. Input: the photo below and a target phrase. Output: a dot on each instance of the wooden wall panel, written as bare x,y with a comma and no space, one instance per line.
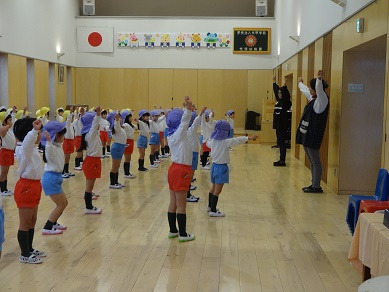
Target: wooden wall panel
88,86
112,89
259,89
41,80
234,94
210,91
136,89
184,84
60,89
160,87
17,81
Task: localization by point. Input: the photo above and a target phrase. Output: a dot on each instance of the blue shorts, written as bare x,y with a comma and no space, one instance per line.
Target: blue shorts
154,139
201,139
165,133
1,228
109,134
117,150
52,183
142,142
195,160
220,174
231,133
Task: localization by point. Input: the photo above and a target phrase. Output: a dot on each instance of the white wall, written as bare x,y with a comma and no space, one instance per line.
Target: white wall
34,28
315,17
172,57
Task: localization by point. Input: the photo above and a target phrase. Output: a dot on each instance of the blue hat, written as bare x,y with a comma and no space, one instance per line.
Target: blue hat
206,113
192,118
221,130
173,120
142,113
86,121
124,114
230,112
111,118
154,113
53,127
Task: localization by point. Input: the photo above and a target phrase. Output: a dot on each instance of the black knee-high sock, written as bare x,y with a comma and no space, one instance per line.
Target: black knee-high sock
103,150
2,186
181,220
141,163
117,177
188,194
156,155
31,232
112,178
76,162
88,200
172,222
48,225
214,203
210,196
126,167
23,243
82,159
163,150
5,185
67,167
205,158
151,159
108,148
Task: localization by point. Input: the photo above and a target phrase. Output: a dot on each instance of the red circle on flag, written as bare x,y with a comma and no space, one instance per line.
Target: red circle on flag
95,39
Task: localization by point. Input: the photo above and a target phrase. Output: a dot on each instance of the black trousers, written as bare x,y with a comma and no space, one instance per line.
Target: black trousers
281,137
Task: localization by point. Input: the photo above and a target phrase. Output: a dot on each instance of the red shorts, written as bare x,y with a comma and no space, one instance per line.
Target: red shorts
130,148
92,167
104,136
160,137
179,177
27,193
77,142
68,146
6,157
206,148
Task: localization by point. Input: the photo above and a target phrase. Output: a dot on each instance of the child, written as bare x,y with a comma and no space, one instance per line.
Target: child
129,129
144,129
8,144
77,126
179,174
207,124
28,188
54,158
68,143
230,115
59,116
162,127
104,129
92,165
154,138
117,149
220,143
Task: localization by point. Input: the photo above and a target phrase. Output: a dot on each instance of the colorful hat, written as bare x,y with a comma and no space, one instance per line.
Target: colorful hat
124,114
221,130
206,113
154,113
53,127
86,121
44,110
173,120
230,112
111,119
142,113
20,113
3,115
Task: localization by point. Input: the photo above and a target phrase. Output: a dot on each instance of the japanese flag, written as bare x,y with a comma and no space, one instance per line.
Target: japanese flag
94,39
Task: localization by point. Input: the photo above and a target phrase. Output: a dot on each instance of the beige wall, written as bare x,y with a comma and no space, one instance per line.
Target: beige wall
60,89
17,81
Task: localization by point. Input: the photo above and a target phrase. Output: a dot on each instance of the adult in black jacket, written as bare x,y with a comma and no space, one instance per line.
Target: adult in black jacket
312,125
280,118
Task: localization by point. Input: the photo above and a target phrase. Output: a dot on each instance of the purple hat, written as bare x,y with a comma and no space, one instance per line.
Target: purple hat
221,131
111,119
230,112
142,113
53,127
154,113
124,115
192,118
206,113
86,121
173,120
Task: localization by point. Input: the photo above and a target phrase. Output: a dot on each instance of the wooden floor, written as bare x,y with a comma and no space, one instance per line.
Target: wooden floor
273,238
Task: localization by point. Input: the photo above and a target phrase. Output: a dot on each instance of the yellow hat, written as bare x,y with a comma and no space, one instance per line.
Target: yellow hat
65,114
3,115
44,110
38,113
92,109
20,113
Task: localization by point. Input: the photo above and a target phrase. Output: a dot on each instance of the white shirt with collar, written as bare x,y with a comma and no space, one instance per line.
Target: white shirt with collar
29,159
129,131
207,127
120,135
55,157
220,148
144,129
94,148
69,128
104,125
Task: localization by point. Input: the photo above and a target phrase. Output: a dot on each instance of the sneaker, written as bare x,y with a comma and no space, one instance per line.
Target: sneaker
108,153
230,149
38,253
6,194
40,150
216,214
279,163
192,199
209,209
144,169
77,168
70,174
65,175
194,179
192,187
188,237
115,186
122,185
32,259
96,195
164,156
102,156
173,234
93,211
10,192
157,161
311,189
60,226
51,232
208,163
205,168
154,165
130,176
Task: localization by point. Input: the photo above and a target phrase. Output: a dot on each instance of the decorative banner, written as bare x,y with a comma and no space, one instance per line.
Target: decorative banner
94,39
252,40
177,40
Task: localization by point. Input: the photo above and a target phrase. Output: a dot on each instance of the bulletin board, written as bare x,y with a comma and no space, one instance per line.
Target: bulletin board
252,40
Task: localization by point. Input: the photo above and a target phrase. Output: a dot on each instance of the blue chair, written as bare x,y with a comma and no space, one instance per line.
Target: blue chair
380,194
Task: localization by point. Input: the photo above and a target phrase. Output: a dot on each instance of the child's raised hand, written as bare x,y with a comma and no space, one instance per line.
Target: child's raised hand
98,110
188,103
203,110
14,109
47,136
300,79
3,130
37,124
24,110
135,120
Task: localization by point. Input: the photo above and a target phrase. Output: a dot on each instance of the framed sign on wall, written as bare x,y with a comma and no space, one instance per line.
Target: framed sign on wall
252,40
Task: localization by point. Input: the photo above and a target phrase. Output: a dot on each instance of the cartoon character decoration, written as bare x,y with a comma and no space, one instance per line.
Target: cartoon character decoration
224,40
134,43
180,41
195,41
123,39
149,40
165,40
211,39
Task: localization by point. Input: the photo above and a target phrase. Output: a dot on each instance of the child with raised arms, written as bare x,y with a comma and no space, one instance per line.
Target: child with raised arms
144,130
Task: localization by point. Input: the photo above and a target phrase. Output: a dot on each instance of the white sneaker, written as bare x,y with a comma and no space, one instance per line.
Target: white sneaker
192,199
77,168
70,174
93,211
205,168
60,226
115,186
208,163
94,194
192,187
173,234
216,214
65,175
164,156
108,153
102,156
32,259
157,161
154,165
188,237
209,209
6,194
122,185
38,253
130,176
51,232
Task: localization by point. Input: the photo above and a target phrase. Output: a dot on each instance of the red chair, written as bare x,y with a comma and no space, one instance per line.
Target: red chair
370,206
